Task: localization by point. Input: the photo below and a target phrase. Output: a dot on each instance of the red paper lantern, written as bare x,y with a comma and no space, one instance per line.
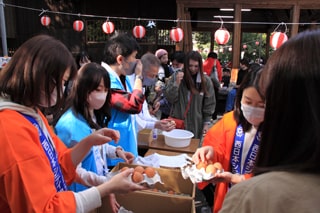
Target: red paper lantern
277,39
108,27
222,36
139,31
78,25
176,34
45,20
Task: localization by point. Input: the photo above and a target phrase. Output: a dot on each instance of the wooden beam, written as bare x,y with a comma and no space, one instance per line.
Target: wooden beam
236,41
295,16
271,4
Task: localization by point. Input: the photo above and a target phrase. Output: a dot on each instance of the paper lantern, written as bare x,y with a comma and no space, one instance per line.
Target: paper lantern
176,34
244,46
45,20
139,31
222,36
277,39
108,27
257,43
78,25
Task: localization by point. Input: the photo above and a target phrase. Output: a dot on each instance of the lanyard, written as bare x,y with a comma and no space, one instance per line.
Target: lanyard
59,181
236,154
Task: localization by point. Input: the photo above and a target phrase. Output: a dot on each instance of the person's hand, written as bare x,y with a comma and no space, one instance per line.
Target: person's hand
205,129
138,68
203,154
127,156
227,177
165,125
119,184
156,106
113,203
103,136
179,77
154,109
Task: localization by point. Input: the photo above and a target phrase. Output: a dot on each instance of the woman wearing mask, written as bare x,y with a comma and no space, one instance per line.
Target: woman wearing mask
287,170
234,140
86,112
35,165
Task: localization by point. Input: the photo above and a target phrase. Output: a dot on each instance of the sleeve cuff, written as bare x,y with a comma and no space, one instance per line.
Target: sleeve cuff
87,200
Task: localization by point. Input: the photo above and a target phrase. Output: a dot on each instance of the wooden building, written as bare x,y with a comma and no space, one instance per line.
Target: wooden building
298,16
23,21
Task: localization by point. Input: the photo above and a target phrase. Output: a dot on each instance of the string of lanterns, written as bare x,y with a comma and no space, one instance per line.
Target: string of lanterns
176,34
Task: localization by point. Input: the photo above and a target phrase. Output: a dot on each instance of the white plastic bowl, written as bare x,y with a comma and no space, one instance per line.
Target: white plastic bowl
177,138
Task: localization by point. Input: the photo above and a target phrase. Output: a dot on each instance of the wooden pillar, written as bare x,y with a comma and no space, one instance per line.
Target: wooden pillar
236,41
183,14
295,16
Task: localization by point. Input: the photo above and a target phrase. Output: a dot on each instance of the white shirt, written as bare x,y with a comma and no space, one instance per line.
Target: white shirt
144,120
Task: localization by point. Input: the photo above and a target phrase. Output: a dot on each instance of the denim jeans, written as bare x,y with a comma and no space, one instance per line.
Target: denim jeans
230,99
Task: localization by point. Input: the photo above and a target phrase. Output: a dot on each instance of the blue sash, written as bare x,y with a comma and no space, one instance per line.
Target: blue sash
236,154
59,181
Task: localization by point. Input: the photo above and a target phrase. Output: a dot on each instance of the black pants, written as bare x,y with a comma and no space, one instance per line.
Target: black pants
208,192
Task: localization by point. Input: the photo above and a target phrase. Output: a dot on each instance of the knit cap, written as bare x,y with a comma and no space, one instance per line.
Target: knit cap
160,52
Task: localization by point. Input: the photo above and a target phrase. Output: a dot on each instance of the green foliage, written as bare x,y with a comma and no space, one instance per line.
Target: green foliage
202,43
255,45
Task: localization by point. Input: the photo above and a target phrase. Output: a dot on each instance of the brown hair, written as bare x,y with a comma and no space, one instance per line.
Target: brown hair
194,55
39,64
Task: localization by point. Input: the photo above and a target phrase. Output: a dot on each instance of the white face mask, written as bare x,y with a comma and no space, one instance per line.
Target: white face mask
53,98
254,115
96,99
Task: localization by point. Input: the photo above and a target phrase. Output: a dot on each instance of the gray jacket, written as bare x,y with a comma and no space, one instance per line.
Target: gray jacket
201,107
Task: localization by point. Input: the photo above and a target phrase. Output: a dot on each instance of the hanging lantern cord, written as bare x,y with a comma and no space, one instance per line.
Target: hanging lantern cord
282,23
42,12
176,21
221,22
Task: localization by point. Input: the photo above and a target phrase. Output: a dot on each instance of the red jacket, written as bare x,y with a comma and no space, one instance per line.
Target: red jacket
221,138
208,65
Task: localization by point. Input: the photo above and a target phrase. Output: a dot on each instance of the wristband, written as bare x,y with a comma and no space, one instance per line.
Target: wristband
139,77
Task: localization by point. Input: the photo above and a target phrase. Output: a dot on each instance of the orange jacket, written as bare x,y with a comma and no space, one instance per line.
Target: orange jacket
26,178
221,138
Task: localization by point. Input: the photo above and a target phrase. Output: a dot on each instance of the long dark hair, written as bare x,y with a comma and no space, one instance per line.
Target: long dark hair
38,65
250,80
194,55
291,83
88,80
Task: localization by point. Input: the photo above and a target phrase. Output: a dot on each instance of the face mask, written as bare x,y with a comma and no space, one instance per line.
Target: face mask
149,81
253,115
131,68
53,98
96,99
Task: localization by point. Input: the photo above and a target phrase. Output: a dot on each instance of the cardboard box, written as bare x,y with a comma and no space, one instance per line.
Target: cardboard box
145,137
160,201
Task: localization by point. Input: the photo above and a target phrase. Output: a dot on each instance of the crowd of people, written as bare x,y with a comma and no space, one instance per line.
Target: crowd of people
266,140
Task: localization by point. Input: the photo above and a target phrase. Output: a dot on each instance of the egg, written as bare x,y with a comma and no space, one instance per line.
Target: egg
124,168
137,177
150,172
155,190
171,192
139,169
218,165
202,165
211,169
